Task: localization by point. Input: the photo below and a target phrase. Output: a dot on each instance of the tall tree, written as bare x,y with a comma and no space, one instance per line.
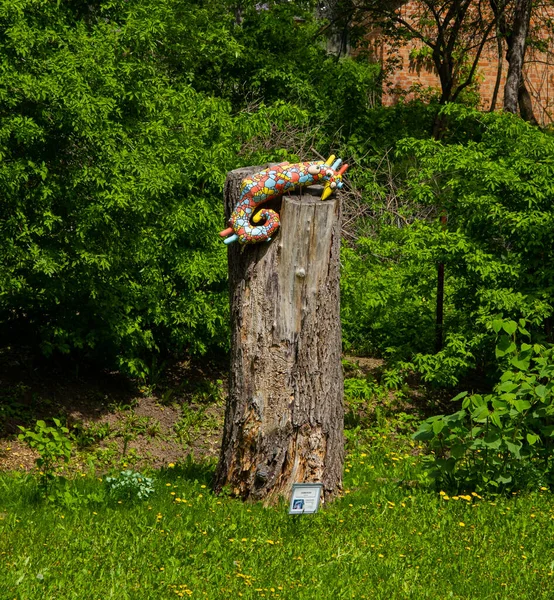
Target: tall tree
452,33
514,28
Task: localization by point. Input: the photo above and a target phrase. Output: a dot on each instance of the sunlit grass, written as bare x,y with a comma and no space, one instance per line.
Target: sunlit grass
386,537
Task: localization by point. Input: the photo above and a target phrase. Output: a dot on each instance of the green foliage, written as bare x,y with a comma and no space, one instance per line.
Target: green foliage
129,485
492,176
502,441
53,445
111,178
387,293
283,58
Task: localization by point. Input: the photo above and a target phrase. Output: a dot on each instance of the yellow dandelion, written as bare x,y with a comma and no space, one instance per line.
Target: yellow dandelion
461,524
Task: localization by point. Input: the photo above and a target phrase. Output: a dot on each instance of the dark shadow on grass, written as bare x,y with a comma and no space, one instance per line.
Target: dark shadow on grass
201,472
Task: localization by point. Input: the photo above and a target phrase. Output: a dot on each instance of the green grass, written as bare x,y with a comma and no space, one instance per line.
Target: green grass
388,537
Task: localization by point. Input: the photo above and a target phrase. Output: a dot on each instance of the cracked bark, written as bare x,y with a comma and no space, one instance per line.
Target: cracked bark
284,416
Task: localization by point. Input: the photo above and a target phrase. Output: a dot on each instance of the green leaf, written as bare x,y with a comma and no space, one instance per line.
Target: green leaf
504,346
457,451
532,438
493,441
521,405
510,327
514,448
495,418
497,325
541,391
459,396
480,414
522,364
438,426
507,386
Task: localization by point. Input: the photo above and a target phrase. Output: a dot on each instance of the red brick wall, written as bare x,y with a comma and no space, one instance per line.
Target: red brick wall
408,82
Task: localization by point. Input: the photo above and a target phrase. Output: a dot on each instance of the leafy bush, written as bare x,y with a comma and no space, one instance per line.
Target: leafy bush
129,485
492,177
111,179
502,441
53,445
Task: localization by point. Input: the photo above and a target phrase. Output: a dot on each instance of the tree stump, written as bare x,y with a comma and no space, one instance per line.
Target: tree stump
284,416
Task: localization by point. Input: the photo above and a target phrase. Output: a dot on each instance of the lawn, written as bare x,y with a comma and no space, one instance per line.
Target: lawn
388,536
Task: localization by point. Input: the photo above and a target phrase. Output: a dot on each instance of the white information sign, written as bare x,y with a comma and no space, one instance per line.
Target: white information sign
305,498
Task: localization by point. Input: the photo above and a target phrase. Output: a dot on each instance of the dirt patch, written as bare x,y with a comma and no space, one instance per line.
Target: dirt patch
16,456
114,421
360,366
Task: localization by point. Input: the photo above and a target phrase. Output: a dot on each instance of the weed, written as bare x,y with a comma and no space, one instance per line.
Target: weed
385,538
87,435
53,445
129,485
191,423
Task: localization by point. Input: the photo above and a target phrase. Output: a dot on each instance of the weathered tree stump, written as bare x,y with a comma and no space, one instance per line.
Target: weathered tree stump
284,415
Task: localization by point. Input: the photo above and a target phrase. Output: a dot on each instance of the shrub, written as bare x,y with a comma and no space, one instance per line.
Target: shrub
129,485
503,441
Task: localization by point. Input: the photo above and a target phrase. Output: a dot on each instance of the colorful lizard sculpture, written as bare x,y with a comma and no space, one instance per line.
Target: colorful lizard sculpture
271,183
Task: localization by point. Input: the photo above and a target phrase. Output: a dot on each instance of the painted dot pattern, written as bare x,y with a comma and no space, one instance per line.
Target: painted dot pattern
248,226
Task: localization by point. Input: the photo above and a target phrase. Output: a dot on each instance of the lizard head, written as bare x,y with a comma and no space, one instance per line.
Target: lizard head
332,175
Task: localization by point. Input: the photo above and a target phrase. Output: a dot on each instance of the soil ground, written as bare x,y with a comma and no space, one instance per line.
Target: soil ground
116,422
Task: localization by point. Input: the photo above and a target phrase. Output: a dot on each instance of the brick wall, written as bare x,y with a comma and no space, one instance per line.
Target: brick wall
405,80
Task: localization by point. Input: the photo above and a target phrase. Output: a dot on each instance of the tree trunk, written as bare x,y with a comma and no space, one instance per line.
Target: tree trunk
526,104
516,53
284,416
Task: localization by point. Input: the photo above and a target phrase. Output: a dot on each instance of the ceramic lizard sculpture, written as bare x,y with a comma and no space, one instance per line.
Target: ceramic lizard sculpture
245,224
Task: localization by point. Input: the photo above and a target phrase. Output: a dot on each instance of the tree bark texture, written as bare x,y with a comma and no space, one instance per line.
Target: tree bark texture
517,45
284,417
